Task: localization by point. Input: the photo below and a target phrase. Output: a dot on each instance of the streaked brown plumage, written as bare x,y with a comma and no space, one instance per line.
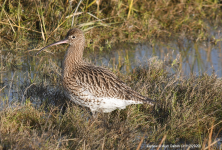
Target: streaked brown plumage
92,86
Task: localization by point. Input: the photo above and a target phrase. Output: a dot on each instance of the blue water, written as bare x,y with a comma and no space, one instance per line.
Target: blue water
179,56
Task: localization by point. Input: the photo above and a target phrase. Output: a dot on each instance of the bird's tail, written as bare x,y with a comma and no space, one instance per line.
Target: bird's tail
149,101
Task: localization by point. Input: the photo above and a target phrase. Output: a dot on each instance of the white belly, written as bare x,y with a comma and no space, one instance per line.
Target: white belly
100,104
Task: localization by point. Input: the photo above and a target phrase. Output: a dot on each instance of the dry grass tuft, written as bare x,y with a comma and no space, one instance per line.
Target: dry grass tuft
113,20
189,111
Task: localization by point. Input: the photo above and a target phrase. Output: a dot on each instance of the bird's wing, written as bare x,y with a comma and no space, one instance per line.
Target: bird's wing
103,83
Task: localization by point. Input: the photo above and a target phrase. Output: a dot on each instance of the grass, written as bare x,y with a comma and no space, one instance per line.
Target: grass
115,21
189,111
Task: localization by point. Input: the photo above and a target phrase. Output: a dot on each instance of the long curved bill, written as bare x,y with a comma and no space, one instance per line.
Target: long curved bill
66,40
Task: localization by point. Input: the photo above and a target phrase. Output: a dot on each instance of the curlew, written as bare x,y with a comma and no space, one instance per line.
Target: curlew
93,86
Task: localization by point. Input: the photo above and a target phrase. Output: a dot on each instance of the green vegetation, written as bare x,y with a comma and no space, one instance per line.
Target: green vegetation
189,109
108,21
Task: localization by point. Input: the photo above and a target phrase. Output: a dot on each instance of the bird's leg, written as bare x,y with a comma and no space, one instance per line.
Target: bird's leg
63,108
94,115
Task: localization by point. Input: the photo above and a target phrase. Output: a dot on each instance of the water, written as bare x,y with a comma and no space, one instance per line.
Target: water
190,57
186,56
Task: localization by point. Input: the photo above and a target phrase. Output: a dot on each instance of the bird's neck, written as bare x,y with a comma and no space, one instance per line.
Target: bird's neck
73,58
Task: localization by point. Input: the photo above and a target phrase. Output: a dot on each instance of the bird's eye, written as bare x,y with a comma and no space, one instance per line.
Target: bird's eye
73,37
